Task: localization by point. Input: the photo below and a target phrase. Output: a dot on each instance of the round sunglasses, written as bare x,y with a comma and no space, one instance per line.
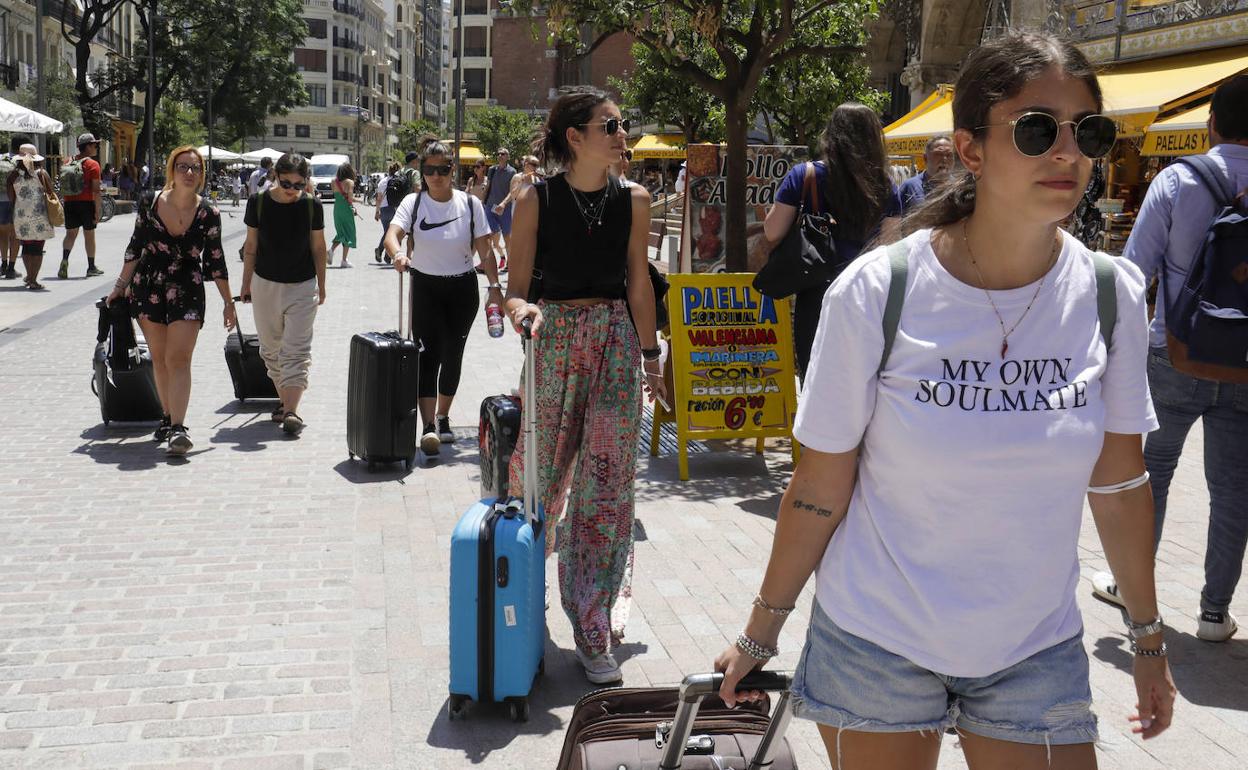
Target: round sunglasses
611,125
1035,133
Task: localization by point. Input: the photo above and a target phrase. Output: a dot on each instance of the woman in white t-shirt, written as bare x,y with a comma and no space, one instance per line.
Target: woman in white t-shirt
941,494
447,226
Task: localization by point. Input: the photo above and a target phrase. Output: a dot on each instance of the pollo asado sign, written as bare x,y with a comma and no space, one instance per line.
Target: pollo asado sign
732,358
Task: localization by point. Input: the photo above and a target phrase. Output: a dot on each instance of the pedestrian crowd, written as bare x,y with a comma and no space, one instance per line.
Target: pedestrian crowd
990,371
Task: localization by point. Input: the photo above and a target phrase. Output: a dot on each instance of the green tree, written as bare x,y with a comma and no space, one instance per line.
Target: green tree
81,22
797,97
177,123
747,36
663,97
498,127
414,132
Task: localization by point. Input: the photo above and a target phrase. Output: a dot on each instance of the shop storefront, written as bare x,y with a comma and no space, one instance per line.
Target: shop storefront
906,138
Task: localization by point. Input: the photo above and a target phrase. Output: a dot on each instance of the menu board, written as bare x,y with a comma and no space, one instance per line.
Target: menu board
732,360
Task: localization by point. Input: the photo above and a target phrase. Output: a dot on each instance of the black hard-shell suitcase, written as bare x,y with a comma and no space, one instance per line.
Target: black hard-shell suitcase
247,369
382,415
123,379
496,440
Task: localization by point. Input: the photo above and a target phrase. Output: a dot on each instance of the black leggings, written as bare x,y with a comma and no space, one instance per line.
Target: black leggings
807,307
443,309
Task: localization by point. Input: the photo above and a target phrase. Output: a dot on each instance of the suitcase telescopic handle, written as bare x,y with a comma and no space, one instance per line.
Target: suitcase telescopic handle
529,411
697,686
238,324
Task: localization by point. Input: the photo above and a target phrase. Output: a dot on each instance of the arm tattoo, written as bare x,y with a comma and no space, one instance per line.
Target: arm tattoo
802,505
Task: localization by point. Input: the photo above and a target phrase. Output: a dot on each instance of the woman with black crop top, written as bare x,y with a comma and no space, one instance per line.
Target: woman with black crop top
578,247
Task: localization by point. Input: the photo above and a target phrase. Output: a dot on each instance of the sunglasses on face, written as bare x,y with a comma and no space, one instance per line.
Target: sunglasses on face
611,125
436,170
188,168
1035,133
286,184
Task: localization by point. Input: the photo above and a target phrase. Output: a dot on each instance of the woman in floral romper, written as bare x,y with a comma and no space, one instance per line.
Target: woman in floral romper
176,242
593,324
27,186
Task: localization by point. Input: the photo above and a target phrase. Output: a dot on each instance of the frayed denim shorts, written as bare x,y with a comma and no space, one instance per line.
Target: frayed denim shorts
848,683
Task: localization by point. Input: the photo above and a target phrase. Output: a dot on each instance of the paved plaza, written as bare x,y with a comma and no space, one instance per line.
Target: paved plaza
267,603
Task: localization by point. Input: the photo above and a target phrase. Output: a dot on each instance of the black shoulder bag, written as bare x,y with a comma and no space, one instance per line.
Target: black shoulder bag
807,256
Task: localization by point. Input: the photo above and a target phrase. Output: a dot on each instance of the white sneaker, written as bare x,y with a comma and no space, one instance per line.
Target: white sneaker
1105,589
429,441
1215,626
600,668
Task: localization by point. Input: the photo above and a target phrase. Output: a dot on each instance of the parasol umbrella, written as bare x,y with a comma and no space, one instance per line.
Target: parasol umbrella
258,155
15,117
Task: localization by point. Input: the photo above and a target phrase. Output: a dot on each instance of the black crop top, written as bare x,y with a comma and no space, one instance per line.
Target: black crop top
576,261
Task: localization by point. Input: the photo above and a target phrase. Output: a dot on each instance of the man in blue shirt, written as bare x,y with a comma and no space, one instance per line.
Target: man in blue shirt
1169,231
938,157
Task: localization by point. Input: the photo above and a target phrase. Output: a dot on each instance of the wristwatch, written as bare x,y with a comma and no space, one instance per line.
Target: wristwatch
1137,631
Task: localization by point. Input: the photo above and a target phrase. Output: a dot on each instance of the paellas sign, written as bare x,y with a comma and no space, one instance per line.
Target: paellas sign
732,360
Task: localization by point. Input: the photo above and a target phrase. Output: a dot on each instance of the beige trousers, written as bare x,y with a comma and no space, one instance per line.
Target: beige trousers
284,316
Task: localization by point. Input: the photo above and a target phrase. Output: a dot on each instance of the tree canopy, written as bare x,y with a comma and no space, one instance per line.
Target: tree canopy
663,97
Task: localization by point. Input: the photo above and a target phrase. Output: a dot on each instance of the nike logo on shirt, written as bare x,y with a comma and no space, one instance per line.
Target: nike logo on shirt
427,225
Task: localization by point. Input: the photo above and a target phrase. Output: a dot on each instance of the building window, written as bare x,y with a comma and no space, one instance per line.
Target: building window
399,13
475,41
476,7
279,129
335,94
317,28
474,82
333,132
302,131
316,95
309,59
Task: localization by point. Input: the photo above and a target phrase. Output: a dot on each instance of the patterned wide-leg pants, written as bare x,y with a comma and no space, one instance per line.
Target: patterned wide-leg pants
588,383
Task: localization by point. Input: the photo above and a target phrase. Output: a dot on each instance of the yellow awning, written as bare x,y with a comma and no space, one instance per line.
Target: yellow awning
1135,93
912,136
942,94
659,146
1184,134
469,153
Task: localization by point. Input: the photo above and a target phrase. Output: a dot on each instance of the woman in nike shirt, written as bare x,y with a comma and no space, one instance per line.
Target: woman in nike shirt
447,225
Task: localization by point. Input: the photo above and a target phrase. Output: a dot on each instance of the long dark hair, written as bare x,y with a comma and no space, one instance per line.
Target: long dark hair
345,172
570,111
857,184
994,72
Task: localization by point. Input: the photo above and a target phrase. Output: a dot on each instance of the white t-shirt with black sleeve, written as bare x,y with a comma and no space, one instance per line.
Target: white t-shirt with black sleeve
440,231
959,549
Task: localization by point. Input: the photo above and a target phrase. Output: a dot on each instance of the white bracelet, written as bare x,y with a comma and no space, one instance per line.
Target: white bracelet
1122,486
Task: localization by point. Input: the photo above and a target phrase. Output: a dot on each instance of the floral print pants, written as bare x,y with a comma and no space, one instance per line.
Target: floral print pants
588,389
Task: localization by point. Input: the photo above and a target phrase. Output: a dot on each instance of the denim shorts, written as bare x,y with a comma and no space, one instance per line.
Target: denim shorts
848,683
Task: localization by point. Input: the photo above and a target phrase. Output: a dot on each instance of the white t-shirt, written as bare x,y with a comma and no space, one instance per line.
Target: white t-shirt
440,231
258,182
958,551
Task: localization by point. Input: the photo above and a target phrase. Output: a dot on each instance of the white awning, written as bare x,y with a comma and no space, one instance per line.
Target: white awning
256,156
218,153
15,117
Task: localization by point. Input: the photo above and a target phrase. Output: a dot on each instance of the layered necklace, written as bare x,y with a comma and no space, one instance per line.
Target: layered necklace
1005,335
591,210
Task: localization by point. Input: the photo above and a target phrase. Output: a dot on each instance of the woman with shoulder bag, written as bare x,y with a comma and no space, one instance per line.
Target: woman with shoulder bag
989,375
176,245
29,188
854,188
447,226
284,265
584,234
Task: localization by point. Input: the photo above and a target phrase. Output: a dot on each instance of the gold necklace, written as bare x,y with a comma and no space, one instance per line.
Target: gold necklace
1005,335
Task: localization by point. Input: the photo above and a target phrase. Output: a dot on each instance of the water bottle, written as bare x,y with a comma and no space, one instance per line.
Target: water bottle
494,319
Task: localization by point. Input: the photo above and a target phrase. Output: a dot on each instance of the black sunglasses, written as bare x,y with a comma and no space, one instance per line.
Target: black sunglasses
286,184
1035,133
611,125
436,170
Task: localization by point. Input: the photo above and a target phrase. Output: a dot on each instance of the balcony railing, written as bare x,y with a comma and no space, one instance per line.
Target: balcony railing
349,9
346,77
1092,19
349,43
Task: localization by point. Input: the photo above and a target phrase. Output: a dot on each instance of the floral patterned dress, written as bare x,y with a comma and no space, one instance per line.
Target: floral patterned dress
168,284
30,210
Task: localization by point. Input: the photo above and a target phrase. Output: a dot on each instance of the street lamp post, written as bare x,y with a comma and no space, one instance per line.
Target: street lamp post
41,94
149,103
459,87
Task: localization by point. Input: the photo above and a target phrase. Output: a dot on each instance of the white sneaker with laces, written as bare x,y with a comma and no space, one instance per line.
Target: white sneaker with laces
1215,626
1105,589
429,441
600,668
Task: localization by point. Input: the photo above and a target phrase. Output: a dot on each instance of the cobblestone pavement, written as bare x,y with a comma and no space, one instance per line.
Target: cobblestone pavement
266,603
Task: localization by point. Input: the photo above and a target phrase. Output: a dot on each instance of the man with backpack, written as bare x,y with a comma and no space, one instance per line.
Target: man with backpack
399,185
259,181
79,186
1192,233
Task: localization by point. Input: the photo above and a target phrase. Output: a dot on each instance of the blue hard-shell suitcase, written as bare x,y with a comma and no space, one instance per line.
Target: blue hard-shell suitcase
498,585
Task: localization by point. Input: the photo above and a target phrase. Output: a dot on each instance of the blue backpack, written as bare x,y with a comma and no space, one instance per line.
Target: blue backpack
1207,324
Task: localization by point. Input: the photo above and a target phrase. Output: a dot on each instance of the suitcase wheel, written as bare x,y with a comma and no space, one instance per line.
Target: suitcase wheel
457,708
518,709
351,455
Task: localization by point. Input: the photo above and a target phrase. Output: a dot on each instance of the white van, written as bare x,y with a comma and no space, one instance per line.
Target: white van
324,169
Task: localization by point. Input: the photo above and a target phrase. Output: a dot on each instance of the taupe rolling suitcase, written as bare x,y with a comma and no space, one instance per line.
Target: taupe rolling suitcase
685,728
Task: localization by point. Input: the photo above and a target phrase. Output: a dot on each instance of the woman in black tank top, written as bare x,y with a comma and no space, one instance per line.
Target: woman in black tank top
579,274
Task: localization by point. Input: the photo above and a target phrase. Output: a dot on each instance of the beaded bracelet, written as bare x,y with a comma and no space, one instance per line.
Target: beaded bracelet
754,649
1160,652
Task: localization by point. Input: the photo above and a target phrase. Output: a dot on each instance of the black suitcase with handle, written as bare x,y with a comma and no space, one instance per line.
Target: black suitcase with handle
247,369
123,379
382,414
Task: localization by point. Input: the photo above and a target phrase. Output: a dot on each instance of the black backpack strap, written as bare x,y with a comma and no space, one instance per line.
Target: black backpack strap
1210,174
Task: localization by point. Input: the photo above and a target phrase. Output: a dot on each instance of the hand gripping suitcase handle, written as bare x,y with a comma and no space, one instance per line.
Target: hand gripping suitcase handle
529,412
696,687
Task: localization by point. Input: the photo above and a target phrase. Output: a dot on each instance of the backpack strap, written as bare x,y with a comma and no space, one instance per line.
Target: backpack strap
260,207
1210,174
472,219
899,269
311,209
1106,296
